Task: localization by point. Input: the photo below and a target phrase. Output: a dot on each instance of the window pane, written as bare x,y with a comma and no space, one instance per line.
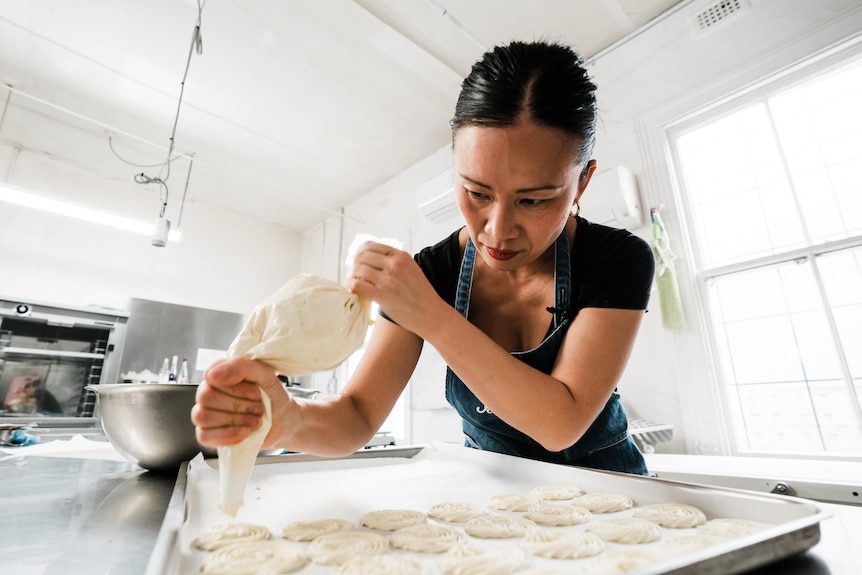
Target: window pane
847,187
773,325
837,417
740,194
784,377
777,418
842,280
819,126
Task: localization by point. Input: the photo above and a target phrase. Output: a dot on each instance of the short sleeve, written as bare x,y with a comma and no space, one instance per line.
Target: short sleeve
611,268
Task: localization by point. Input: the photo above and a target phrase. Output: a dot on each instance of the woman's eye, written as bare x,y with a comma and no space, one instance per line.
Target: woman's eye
531,202
476,195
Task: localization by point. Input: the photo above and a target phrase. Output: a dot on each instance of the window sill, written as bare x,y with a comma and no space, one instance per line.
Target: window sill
830,481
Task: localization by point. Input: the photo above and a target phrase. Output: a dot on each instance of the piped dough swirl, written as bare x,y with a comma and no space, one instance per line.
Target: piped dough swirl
673,515
556,492
255,557
557,514
338,548
427,538
511,502
626,530
309,530
381,565
604,502
392,519
498,526
455,511
555,544
465,559
223,534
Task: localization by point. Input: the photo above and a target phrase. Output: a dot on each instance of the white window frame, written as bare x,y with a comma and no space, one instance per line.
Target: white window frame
697,350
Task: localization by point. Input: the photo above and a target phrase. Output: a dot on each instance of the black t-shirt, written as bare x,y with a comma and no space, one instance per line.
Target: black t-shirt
610,267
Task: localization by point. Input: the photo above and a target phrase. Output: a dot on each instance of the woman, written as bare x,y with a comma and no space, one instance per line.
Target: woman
534,309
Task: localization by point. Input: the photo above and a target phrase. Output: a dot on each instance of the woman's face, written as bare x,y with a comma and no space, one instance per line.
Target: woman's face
515,187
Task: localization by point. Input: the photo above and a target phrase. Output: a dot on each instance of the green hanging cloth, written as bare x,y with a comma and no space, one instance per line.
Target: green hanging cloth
672,312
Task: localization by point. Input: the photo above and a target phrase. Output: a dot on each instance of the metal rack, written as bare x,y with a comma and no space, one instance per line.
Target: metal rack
647,434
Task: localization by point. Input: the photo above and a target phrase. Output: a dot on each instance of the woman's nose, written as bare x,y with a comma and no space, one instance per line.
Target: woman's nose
501,222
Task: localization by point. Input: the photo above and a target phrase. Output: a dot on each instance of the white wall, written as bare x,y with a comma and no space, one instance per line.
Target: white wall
224,262
655,77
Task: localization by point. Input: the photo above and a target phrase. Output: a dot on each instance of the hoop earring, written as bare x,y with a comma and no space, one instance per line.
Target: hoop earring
577,209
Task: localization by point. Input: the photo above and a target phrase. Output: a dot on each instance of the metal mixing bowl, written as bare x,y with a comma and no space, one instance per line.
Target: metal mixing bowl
150,423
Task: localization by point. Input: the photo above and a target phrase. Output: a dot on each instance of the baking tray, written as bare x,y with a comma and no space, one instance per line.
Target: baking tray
292,487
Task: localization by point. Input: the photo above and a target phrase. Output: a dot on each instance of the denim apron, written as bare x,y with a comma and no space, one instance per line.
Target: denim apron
606,444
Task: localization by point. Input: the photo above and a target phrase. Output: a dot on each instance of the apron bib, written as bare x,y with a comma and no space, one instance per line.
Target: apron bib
605,445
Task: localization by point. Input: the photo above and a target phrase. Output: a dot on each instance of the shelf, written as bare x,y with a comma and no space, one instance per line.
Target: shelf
647,434
31,352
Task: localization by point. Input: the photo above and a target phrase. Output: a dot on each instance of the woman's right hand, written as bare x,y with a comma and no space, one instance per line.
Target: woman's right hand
228,407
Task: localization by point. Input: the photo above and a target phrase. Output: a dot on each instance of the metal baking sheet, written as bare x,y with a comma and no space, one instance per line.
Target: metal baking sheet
294,487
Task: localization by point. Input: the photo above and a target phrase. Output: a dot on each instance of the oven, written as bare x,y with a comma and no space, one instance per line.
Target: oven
49,353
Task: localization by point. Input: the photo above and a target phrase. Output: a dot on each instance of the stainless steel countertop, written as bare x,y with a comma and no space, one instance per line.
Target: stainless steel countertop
75,515
72,515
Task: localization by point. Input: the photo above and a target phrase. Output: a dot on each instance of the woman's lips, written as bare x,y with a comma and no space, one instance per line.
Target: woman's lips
500,254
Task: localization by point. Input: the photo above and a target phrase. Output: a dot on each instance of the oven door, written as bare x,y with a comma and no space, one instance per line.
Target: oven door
33,385
45,367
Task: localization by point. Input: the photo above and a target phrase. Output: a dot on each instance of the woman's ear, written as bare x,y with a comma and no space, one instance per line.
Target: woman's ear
584,179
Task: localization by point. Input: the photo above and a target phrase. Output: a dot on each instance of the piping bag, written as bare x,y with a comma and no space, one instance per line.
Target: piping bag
235,462
308,325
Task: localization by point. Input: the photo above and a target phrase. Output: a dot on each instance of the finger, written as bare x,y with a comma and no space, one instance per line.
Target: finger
371,247
206,418
226,426
233,401
217,361
362,282
374,256
221,436
227,376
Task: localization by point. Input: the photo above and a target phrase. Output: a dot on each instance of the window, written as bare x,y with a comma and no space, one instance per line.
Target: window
771,185
396,423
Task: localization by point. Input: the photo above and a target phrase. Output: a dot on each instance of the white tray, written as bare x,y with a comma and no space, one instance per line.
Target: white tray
293,487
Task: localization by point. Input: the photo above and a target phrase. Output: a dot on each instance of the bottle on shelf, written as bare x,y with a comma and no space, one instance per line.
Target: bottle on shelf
173,373
184,372
165,371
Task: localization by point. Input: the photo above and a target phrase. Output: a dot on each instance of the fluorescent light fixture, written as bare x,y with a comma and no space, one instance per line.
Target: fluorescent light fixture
53,206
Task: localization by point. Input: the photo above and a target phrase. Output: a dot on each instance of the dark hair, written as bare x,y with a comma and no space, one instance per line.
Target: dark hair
544,80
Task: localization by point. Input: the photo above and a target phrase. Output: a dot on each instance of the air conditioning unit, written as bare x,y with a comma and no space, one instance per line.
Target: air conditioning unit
612,199
436,197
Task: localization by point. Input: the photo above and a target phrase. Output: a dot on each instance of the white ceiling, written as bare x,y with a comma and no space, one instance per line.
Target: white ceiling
293,109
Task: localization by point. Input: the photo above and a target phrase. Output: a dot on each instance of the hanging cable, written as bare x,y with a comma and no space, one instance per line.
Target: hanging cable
196,46
125,161
5,107
165,172
185,191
